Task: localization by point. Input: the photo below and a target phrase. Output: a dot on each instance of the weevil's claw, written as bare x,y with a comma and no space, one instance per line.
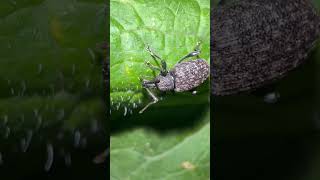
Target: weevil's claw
148,48
197,48
147,63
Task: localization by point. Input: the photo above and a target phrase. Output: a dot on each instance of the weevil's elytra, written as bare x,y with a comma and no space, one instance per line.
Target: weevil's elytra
256,42
184,76
189,75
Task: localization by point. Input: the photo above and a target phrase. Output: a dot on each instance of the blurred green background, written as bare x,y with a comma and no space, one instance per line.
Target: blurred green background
51,87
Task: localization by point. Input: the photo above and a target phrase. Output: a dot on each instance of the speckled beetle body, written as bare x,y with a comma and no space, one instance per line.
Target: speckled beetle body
184,76
255,42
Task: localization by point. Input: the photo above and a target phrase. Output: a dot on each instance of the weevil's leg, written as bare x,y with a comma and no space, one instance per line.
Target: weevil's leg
155,100
156,58
194,92
153,54
154,68
192,54
196,53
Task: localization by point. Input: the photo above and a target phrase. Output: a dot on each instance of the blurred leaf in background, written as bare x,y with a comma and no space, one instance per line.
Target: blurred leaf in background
50,81
170,140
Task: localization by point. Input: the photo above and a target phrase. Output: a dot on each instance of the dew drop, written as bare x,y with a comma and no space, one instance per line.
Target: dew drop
5,119
77,138
125,111
35,112
12,91
93,57
25,142
87,83
39,68
50,157
7,133
271,98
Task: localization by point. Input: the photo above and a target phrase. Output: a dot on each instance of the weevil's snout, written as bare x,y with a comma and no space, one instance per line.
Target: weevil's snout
149,84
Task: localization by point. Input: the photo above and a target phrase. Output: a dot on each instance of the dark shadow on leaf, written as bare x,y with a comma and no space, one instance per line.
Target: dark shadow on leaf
176,111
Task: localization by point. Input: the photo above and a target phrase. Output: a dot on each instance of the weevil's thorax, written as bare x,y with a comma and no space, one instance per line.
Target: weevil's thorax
165,82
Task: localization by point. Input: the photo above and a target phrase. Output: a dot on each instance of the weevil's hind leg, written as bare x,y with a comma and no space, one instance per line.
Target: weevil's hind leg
154,98
163,63
194,53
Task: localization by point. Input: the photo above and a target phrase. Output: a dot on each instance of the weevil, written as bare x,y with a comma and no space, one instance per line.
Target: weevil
256,42
184,76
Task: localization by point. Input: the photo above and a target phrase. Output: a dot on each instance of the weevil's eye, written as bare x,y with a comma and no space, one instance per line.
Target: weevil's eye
157,80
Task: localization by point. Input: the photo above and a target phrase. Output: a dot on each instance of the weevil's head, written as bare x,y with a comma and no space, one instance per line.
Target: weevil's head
161,82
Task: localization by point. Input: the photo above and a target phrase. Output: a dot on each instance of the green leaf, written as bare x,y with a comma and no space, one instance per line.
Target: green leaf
148,154
172,29
170,140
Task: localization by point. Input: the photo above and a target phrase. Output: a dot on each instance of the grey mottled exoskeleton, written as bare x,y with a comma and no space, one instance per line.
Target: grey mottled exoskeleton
257,42
184,76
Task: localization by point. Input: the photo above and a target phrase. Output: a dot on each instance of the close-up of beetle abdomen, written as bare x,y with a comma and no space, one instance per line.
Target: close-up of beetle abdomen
255,42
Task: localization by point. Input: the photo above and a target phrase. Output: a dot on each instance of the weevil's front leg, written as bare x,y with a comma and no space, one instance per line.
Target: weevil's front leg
196,53
152,67
155,100
156,58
